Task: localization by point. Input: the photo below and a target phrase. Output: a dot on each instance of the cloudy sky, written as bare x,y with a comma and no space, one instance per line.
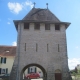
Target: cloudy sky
65,10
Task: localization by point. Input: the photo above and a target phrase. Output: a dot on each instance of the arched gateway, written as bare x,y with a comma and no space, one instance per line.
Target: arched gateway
37,66
41,43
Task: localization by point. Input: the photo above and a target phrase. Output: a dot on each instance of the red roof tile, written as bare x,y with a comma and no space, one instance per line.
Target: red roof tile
7,50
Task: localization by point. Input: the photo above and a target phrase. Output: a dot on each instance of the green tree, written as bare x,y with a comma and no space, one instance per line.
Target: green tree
76,75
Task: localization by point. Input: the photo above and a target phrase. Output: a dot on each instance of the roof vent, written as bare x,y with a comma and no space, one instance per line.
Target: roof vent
7,51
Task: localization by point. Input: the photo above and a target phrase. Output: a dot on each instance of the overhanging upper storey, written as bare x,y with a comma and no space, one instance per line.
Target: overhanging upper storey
41,16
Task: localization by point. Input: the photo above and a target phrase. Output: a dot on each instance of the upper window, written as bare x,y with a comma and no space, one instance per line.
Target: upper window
47,26
57,27
37,26
3,60
26,25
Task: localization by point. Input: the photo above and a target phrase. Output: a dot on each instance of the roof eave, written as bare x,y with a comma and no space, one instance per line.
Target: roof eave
34,21
66,24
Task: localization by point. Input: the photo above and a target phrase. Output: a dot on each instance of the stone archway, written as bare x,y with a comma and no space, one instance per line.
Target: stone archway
37,65
58,75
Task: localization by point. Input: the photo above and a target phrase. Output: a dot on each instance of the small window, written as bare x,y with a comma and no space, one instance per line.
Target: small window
3,60
58,48
47,26
3,71
37,26
26,25
47,47
36,47
31,69
25,47
57,27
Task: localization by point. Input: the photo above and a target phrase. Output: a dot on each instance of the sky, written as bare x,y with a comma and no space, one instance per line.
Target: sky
65,10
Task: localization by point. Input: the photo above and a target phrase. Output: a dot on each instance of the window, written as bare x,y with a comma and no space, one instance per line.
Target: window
58,48
47,26
57,27
47,48
31,69
37,26
3,71
26,25
3,60
25,46
36,47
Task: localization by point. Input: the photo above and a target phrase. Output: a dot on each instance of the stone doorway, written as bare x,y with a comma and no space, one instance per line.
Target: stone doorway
58,75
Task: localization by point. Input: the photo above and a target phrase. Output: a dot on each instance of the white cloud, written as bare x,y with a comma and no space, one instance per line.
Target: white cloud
73,62
29,3
17,7
14,44
8,23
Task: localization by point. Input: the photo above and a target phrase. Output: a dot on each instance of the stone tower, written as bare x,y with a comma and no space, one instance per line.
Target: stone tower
42,43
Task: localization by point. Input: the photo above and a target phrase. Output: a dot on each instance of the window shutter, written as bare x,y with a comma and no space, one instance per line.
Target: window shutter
4,60
0,70
28,70
6,70
1,59
35,69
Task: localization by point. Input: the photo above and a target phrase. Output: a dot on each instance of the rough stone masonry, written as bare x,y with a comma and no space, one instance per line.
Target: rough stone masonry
42,43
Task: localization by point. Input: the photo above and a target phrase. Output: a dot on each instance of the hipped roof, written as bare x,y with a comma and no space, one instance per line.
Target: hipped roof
42,16
38,14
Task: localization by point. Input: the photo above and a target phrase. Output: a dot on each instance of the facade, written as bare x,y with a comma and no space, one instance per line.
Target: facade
7,55
42,43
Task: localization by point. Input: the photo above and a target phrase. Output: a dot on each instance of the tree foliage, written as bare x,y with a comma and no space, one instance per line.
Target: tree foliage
75,74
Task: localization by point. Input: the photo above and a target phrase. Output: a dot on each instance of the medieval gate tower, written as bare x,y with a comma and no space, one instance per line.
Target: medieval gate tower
42,43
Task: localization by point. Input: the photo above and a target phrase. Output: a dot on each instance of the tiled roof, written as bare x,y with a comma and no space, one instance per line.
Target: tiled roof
7,50
41,16
37,14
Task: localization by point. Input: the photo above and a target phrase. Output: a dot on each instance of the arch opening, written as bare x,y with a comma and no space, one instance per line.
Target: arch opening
33,71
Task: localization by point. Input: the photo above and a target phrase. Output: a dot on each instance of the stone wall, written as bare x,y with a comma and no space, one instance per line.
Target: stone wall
50,60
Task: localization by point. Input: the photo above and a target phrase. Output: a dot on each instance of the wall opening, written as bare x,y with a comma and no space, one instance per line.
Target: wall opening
33,71
58,75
